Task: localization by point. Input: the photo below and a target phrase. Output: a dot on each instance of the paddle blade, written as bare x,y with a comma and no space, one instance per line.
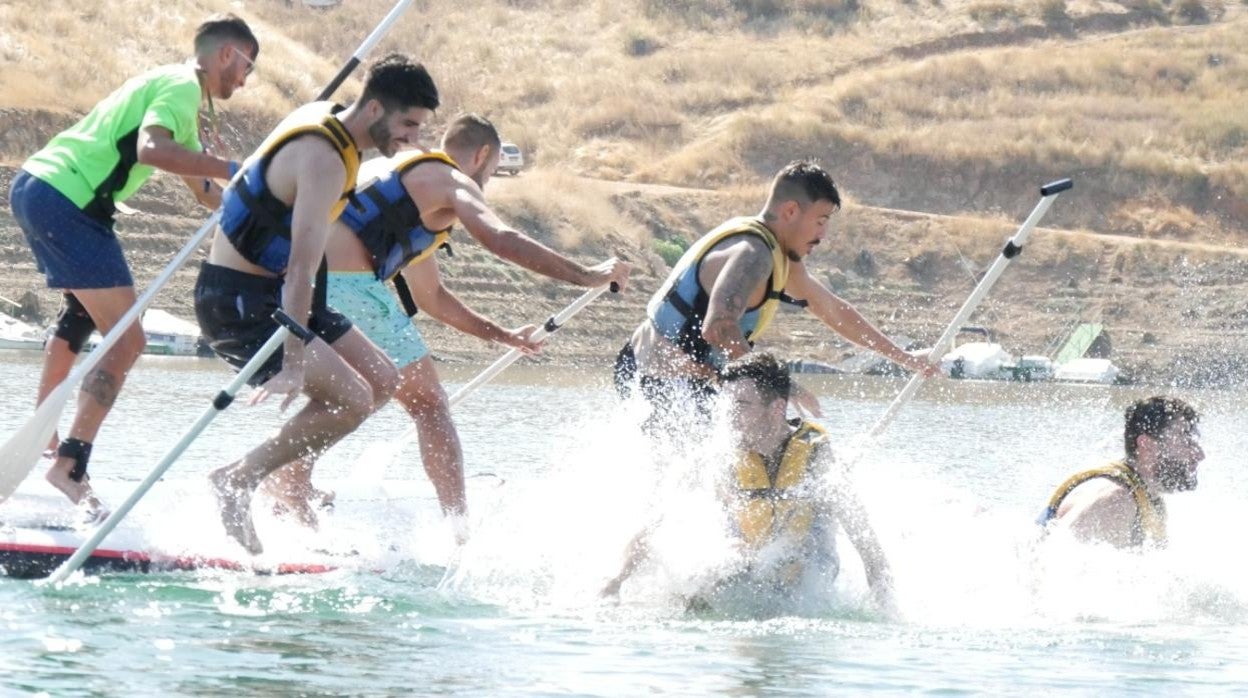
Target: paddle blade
22,450
371,466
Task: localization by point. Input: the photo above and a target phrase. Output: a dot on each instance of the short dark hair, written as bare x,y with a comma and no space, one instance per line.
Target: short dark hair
399,83
806,182
769,375
471,131
1151,416
218,29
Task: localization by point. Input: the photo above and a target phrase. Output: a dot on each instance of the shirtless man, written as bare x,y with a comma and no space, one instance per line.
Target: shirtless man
785,494
724,292
407,205
65,196
275,222
1121,503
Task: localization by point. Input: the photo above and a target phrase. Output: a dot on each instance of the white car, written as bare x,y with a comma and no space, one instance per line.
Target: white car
510,160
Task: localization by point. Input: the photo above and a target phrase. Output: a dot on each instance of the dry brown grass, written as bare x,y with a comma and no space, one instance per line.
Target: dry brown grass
579,210
717,92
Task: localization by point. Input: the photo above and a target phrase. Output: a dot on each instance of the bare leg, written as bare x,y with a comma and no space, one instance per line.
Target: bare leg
101,386
421,394
339,401
57,362
291,486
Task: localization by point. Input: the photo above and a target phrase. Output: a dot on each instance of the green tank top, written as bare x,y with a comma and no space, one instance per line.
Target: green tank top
93,162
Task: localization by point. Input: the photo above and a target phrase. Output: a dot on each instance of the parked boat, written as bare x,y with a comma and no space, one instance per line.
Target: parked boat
1087,371
15,334
167,335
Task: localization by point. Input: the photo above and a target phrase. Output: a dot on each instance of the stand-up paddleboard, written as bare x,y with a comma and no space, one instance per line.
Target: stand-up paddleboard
33,551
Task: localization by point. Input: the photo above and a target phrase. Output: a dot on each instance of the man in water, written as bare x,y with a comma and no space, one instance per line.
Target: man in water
407,205
785,494
65,196
1121,503
725,290
275,222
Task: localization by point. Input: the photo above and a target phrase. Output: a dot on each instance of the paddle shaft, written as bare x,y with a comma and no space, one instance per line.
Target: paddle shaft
1013,247
226,396
552,325
22,449
365,48
219,403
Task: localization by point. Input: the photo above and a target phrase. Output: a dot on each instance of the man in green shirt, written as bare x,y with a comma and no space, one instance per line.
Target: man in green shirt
65,196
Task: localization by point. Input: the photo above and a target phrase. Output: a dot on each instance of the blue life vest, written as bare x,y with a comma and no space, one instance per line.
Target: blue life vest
257,223
387,221
678,309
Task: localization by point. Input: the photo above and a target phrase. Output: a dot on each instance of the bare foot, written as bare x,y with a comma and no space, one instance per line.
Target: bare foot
58,475
298,507
92,512
323,498
234,503
300,501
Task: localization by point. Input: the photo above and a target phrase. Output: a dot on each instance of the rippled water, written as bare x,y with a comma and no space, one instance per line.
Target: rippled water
562,484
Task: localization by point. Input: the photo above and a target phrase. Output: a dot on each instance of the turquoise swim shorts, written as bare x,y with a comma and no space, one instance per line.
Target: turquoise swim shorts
372,307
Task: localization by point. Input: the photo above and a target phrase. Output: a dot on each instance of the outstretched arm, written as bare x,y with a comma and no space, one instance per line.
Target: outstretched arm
840,497
846,321
747,268
516,247
638,551
425,283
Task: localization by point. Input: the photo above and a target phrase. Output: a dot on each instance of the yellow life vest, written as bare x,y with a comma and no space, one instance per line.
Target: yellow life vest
1150,514
773,507
256,222
679,307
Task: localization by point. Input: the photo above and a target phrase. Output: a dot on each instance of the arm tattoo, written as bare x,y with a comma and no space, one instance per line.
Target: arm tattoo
735,290
102,386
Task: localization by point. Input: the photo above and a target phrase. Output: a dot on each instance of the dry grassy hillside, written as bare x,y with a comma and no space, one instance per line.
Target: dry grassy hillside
954,107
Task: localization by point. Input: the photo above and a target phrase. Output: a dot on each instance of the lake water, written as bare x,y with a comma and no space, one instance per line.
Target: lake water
563,481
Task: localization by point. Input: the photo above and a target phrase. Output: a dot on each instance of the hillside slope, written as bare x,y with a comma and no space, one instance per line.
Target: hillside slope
956,109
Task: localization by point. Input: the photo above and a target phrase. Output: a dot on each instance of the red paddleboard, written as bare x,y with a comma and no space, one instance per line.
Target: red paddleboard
33,552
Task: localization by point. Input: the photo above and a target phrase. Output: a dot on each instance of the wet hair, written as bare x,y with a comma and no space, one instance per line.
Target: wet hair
769,375
471,131
219,29
399,83
805,182
1151,416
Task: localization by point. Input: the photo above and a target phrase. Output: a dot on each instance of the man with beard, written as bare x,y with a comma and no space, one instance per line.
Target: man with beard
1121,503
724,292
65,198
275,222
405,207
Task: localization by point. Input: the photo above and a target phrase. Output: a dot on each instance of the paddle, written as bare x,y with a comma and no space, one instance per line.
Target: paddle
21,451
377,457
1013,247
219,403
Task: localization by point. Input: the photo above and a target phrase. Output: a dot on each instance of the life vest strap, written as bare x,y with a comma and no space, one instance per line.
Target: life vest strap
689,339
405,295
787,299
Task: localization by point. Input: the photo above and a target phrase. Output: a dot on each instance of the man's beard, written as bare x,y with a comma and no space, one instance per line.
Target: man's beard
479,177
380,133
1175,476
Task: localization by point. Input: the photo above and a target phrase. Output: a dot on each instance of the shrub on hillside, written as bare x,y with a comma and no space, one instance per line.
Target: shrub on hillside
1198,11
701,13
638,43
1053,12
1150,8
670,250
993,11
